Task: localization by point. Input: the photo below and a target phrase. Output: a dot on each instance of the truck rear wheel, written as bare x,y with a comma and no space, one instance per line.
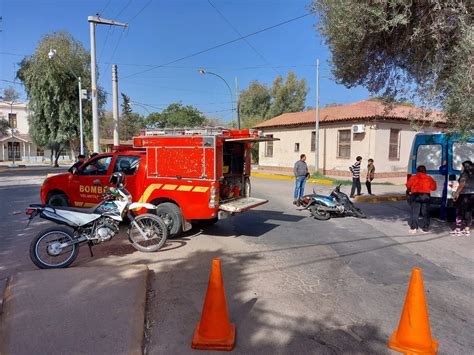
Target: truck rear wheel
172,216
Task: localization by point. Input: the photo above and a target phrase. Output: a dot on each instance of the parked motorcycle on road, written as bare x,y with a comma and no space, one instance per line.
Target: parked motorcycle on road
58,246
336,204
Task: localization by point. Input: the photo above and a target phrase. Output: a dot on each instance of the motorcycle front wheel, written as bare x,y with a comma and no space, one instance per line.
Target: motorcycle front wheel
154,229
319,213
46,251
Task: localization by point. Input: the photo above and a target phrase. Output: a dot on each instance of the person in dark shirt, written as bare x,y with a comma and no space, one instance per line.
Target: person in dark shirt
77,164
464,199
301,173
355,170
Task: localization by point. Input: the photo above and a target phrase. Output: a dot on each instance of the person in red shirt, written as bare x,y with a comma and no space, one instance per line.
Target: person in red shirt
420,187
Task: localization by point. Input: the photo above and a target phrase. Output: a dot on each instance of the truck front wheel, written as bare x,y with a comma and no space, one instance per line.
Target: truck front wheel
172,216
57,199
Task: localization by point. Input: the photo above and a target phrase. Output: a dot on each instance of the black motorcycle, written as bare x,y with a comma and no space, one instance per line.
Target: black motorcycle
336,204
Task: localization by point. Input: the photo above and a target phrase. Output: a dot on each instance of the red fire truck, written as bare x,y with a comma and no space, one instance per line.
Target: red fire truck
197,174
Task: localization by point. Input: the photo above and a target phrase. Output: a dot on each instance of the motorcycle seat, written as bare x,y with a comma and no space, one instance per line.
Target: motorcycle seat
75,209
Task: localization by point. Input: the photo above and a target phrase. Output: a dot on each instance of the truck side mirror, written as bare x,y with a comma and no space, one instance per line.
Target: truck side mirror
97,182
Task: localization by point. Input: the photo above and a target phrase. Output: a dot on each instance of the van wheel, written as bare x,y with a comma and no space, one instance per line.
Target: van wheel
172,216
57,199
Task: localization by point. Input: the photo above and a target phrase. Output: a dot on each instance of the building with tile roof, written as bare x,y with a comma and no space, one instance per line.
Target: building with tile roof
369,128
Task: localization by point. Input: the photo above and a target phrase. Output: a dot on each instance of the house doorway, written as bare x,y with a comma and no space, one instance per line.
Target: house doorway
14,150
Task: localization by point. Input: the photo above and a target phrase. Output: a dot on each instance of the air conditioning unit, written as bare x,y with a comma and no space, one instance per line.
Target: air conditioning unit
358,128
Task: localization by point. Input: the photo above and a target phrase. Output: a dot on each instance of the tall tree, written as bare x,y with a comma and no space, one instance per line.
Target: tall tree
259,102
177,115
254,104
10,94
4,127
51,86
405,49
288,96
130,122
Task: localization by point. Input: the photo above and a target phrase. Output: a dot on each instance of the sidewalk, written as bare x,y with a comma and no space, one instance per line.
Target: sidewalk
382,192
81,310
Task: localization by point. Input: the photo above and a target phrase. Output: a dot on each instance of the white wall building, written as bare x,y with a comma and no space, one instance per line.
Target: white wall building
368,128
17,145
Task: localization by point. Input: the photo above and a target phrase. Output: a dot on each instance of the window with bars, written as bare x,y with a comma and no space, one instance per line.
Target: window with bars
269,146
344,144
313,141
394,144
12,120
39,152
297,147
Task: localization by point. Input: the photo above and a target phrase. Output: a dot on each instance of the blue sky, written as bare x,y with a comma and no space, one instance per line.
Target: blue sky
166,30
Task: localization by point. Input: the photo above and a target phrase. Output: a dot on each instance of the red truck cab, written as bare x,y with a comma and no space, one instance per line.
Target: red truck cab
199,174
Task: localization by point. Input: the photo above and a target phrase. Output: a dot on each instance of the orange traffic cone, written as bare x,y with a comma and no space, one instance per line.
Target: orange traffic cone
413,335
214,331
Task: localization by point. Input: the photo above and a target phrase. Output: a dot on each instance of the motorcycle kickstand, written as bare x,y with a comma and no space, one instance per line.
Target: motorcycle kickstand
90,244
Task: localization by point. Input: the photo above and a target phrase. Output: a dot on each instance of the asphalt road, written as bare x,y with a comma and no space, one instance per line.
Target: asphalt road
293,284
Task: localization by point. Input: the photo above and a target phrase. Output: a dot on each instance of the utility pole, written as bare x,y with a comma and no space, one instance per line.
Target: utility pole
93,21
81,128
115,108
237,102
316,133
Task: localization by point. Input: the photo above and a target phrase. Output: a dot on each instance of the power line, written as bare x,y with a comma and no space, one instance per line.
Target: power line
219,45
240,34
123,9
105,8
12,82
141,10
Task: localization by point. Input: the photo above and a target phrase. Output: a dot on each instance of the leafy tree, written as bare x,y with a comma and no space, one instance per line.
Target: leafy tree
10,94
400,49
155,120
288,96
254,104
214,122
177,115
107,125
130,122
51,86
4,127
259,102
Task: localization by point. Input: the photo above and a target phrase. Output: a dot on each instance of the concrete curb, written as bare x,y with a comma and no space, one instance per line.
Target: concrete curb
22,170
95,309
375,199
286,177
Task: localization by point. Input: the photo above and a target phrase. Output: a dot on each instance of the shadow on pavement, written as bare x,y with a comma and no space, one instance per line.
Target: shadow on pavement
265,323
254,223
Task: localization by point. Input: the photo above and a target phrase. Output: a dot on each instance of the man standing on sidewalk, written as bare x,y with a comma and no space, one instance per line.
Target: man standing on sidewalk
355,170
301,174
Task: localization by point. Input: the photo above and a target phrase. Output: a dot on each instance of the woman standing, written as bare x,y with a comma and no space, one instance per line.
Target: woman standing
464,198
370,176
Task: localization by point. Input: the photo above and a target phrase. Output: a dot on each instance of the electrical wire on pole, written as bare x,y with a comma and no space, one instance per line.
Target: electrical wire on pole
260,55
217,46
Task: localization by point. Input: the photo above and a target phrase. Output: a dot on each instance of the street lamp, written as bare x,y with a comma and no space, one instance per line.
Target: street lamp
203,72
51,55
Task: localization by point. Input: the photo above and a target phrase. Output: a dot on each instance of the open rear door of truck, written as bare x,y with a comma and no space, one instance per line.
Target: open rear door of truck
241,204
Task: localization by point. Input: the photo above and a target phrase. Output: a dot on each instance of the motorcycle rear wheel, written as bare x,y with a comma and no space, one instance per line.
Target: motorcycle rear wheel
44,250
319,214
154,228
